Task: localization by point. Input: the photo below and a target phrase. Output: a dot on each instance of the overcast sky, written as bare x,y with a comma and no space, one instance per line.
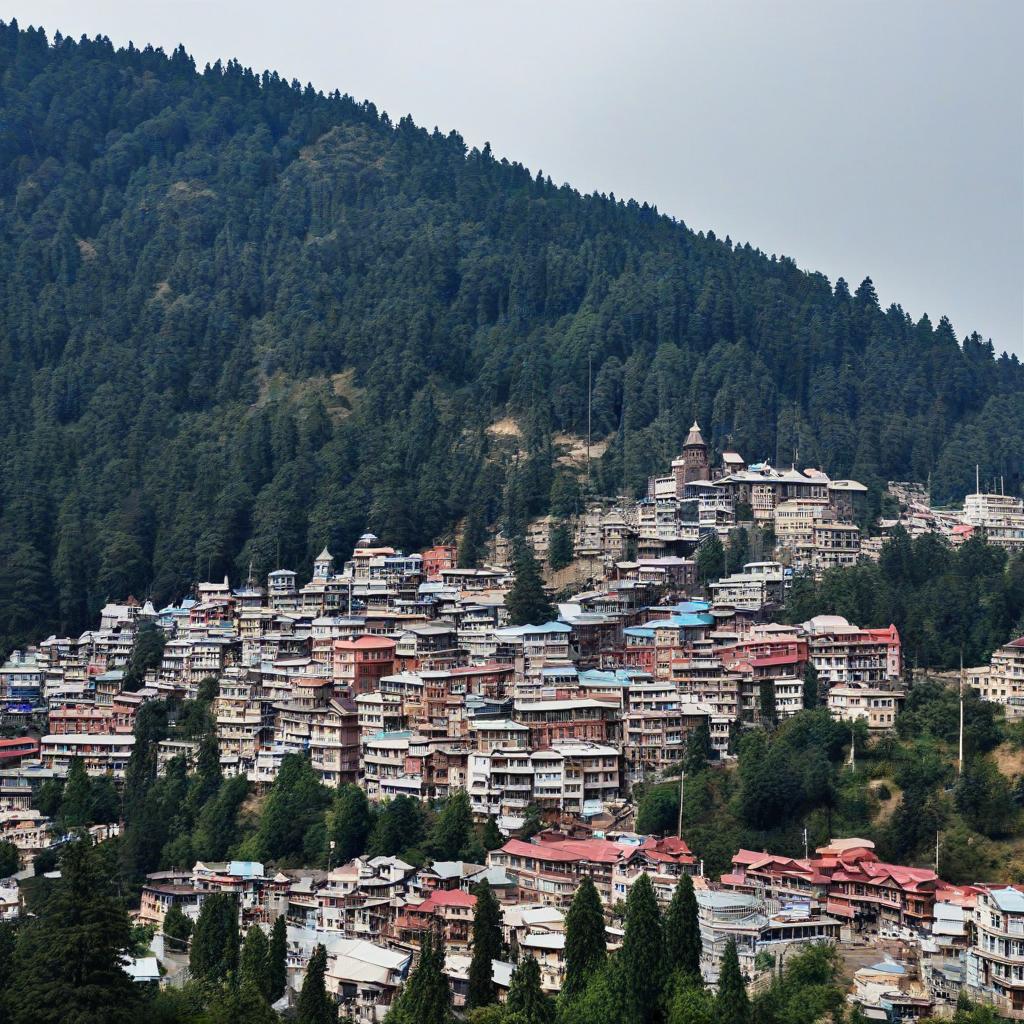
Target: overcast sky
882,138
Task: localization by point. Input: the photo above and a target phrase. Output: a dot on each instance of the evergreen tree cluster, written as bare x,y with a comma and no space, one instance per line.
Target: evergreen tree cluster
240,318
945,602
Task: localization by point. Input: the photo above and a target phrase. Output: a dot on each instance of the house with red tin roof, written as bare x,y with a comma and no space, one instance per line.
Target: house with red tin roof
451,910
844,879
549,868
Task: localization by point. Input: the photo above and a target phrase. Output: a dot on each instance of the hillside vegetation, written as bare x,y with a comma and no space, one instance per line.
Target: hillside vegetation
902,791
240,319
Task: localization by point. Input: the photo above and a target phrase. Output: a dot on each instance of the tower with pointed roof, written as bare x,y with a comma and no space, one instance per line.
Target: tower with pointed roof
323,565
692,464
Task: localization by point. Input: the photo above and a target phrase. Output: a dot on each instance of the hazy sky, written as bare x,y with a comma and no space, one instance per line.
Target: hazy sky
882,138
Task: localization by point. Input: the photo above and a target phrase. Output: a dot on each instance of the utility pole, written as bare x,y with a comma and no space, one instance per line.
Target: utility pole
960,742
937,852
805,843
853,748
590,408
682,787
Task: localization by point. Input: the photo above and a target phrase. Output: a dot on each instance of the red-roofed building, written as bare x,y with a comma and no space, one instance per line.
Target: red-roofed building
360,664
845,654
13,750
451,909
844,879
549,868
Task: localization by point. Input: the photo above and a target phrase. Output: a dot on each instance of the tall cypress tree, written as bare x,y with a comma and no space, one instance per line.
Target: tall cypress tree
766,704
642,952
252,965
426,997
277,955
682,931
486,947
351,823
67,959
811,682
526,600
315,1005
585,949
213,955
732,1006
451,831
526,999
76,807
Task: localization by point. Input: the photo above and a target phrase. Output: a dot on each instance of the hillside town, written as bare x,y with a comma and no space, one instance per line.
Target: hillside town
405,675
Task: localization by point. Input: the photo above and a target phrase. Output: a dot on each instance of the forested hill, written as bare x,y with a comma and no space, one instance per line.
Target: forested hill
241,318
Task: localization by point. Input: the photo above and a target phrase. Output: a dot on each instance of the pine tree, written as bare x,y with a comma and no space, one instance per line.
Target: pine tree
491,836
474,538
692,1004
526,999
176,926
67,960
213,955
426,997
698,748
277,960
766,704
710,560
451,831
10,859
682,931
526,601
642,953
486,947
351,824
76,806
732,1006
812,696
147,652
315,1005
585,948
560,549
252,965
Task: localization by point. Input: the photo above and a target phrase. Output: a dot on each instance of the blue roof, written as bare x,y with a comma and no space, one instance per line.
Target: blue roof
888,967
682,622
645,631
1008,899
245,868
622,676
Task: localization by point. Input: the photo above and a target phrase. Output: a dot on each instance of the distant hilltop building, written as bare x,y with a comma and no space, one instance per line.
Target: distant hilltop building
692,464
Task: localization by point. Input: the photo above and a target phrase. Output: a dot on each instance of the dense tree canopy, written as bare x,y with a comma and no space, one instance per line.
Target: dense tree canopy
240,318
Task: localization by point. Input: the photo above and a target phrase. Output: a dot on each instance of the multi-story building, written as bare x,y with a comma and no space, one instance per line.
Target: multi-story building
1001,516
334,743
843,653
551,721
834,545
1002,680
995,960
243,720
21,678
758,584
876,705
101,753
